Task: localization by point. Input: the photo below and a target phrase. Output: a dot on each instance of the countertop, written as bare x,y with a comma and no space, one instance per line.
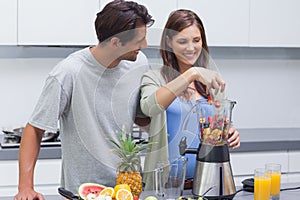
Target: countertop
267,139
243,195
47,197
284,195
251,140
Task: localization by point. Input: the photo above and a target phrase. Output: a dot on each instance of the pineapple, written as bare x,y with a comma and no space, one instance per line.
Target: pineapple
130,167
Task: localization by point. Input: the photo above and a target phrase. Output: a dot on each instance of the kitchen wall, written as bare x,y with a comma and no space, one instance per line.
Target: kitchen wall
264,82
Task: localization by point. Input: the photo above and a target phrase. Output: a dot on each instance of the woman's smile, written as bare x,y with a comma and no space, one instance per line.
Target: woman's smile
189,55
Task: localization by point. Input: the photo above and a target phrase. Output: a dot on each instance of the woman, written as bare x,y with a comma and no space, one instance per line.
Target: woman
167,93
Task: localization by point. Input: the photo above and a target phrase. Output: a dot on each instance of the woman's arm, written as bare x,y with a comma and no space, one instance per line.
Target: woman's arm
165,94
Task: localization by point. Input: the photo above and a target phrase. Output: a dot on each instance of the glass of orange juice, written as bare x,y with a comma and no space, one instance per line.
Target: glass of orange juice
262,184
274,170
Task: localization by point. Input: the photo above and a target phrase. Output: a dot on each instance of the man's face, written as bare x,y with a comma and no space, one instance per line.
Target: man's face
130,49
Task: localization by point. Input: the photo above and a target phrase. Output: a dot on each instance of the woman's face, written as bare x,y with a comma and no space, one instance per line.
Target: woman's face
187,46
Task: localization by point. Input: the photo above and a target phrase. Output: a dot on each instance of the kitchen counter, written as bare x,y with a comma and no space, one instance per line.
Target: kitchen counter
48,151
287,195
256,145
284,195
45,153
269,139
243,195
47,197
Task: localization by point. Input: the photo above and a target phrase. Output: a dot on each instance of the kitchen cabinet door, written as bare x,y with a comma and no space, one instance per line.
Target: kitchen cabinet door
294,161
46,178
8,22
244,163
226,23
275,23
159,10
55,22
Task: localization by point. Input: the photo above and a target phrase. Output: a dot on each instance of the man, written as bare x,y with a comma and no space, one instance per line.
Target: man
92,93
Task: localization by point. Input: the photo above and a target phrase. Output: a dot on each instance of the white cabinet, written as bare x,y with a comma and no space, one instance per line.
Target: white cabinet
259,23
226,22
46,179
56,22
274,23
9,177
294,161
8,22
244,163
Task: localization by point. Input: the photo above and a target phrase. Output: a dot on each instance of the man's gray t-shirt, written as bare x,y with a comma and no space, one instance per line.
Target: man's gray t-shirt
91,102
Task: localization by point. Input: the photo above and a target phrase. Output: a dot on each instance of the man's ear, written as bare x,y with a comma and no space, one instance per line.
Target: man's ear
115,42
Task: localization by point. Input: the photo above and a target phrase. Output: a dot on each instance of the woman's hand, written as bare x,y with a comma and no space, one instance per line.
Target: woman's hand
234,138
209,78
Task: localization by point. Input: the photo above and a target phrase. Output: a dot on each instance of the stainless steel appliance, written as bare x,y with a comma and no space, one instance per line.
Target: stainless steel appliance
213,174
12,138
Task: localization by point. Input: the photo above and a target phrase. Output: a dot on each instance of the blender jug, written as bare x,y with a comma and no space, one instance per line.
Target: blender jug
213,174
214,121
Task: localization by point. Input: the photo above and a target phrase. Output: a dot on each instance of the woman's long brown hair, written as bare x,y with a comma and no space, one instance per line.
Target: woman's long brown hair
177,21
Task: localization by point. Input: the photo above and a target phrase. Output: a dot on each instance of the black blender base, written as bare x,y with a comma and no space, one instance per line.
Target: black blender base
227,197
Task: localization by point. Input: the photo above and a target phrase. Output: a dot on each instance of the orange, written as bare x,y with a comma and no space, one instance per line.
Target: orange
108,191
124,194
120,186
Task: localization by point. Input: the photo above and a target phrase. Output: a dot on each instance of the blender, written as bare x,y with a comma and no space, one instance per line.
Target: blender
213,174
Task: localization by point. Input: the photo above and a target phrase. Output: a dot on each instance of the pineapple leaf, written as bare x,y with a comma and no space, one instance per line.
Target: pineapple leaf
128,151
119,153
114,143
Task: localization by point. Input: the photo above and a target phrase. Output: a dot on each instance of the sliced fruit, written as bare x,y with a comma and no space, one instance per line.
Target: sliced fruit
108,191
88,190
150,198
120,186
124,194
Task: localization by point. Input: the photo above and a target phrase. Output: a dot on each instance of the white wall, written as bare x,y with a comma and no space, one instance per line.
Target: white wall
21,81
267,91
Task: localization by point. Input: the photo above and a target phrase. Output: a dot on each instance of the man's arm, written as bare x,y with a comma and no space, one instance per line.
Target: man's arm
28,154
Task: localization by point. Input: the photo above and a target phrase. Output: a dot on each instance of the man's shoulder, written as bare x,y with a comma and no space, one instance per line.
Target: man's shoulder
70,64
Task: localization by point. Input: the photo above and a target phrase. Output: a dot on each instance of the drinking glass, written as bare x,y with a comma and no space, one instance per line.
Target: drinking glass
169,179
262,184
274,170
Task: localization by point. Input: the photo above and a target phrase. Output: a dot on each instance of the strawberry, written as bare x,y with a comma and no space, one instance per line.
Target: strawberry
217,103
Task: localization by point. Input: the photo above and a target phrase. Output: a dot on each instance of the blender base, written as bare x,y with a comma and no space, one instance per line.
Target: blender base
214,180
227,197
